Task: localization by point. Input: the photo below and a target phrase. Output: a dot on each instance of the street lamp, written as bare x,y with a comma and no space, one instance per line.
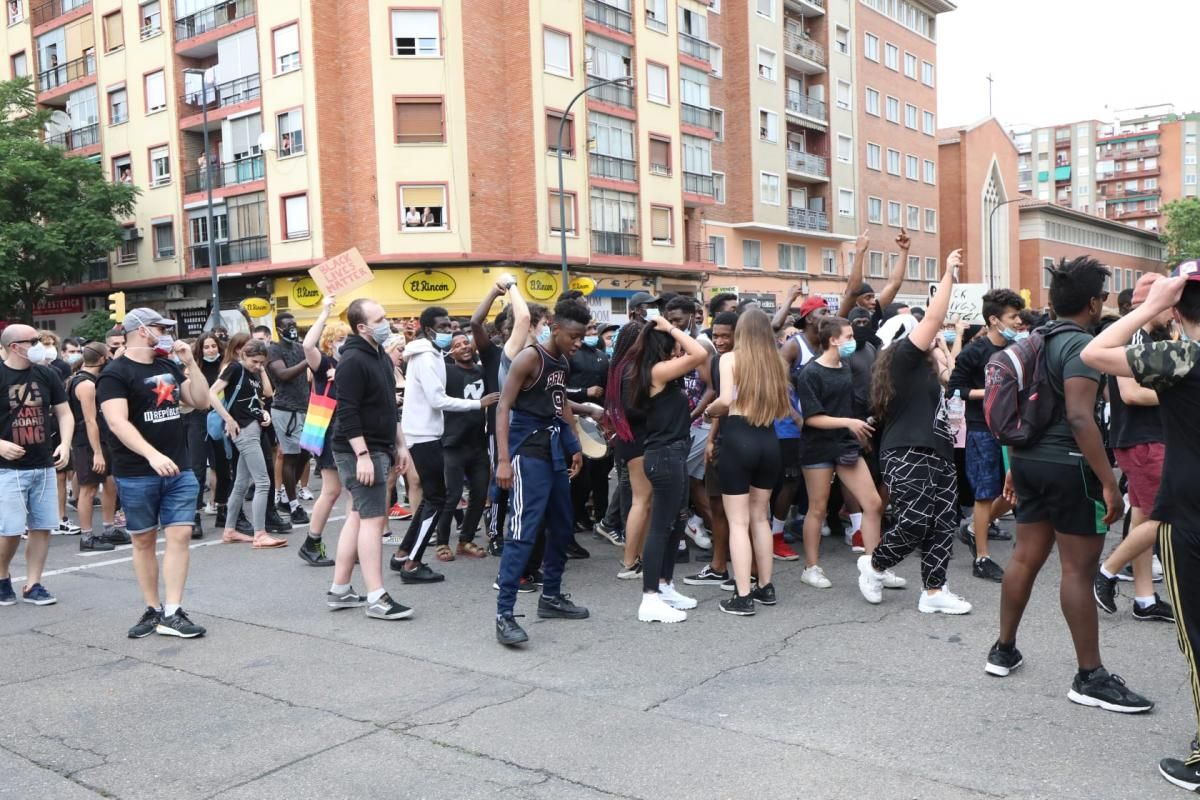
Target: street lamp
562,198
992,240
214,317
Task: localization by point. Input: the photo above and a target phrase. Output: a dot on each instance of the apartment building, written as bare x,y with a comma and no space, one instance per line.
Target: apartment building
1057,164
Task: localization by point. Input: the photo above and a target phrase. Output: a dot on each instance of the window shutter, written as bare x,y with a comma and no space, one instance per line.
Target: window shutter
660,224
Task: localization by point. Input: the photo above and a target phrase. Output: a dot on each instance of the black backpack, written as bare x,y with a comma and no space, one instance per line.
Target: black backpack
1019,401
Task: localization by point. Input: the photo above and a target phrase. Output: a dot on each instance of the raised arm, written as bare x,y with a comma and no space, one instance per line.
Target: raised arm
478,333
931,326
781,313
896,279
312,353
693,356
520,326
854,279
1107,351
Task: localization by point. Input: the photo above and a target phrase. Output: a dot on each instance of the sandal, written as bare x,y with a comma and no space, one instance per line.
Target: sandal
471,550
235,537
444,553
268,542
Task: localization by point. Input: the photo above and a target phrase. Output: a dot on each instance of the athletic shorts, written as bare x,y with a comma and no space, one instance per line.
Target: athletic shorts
287,425
695,462
789,455
1068,496
81,460
369,501
985,465
749,456
28,500
1142,466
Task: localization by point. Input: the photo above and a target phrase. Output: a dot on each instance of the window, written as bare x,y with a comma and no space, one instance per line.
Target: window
1047,265
416,32
893,213
660,156
568,200
122,170
287,48
874,210
873,102
874,156
844,94
557,50
910,65
118,106
160,166
793,258
875,264
156,92
418,120
914,218
114,32
718,249
553,120
719,187
930,172
697,155
927,73
656,15
828,261
20,65
893,157
151,17
15,11
693,87
751,254
164,239
768,126
290,126
910,116
845,149
768,188
912,270
718,123
911,167
612,137
716,57
660,225
295,217
931,220
871,46
765,8
891,56
127,250
845,203
841,39
927,124
931,269
657,83
766,63
423,207
1150,183
893,109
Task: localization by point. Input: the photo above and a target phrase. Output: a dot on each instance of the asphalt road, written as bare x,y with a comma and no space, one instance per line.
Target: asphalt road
822,696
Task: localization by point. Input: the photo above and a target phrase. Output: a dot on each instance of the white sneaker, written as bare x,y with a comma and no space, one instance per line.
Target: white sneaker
304,494
695,531
674,599
655,609
210,509
814,576
870,582
66,528
943,601
1156,570
891,580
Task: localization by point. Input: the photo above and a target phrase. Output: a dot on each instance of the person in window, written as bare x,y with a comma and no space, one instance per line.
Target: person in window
427,219
285,144
124,174
413,218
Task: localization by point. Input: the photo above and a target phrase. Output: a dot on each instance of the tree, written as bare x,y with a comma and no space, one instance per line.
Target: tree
1182,231
58,213
95,325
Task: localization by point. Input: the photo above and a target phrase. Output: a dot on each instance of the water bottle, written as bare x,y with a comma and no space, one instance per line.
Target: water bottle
956,411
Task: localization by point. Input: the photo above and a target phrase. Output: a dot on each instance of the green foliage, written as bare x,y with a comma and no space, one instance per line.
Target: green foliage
1182,231
95,325
58,213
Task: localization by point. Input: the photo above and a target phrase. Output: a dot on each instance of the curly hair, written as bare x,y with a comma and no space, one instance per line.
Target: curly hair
333,331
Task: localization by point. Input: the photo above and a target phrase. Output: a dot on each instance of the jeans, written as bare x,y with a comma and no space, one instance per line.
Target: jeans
252,466
666,469
471,464
620,501
152,502
430,465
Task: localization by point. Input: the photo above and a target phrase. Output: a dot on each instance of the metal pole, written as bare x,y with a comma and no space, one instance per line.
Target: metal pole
214,317
992,240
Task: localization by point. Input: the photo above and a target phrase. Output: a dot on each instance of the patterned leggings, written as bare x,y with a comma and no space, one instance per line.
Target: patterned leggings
924,490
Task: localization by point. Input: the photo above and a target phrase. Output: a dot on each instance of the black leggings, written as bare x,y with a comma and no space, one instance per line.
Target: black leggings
666,469
749,456
469,465
924,493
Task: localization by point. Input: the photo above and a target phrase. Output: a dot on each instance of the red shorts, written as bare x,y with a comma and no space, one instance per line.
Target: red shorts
1142,465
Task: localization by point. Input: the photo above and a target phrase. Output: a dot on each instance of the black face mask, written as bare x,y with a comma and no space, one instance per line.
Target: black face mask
862,333
291,334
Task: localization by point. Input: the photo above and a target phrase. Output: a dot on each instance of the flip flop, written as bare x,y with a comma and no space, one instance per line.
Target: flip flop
235,537
444,553
268,542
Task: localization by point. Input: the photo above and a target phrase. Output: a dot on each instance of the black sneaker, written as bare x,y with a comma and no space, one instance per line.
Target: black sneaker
197,527
682,556
313,553
346,599
299,516
1001,662
495,546
560,607
1105,690
7,596
242,525
146,625
276,523
1180,774
739,605
576,550
421,574
1126,574
602,531
509,633
179,625
730,585
707,576
1105,591
527,585
1159,610
764,594
998,534
219,522
387,608
116,536
91,542
967,537
38,596
987,569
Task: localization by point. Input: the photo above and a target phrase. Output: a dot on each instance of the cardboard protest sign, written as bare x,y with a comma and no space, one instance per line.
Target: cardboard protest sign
342,273
966,302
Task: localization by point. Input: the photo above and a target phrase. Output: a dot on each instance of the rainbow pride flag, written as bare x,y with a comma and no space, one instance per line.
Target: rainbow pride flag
317,421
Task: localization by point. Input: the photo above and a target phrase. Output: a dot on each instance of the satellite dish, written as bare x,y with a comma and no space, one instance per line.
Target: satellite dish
265,142
59,123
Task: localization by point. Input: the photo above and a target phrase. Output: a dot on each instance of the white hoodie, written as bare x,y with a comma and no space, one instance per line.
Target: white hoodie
425,395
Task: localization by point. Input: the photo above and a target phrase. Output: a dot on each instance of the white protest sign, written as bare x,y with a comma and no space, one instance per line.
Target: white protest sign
966,302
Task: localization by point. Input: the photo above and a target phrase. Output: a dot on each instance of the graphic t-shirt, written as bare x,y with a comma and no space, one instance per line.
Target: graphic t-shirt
245,403
464,428
152,392
29,396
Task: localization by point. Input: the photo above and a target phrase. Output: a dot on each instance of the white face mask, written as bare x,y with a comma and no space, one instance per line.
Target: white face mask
39,353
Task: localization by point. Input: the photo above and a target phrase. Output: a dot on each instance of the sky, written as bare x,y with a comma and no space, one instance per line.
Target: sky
1056,61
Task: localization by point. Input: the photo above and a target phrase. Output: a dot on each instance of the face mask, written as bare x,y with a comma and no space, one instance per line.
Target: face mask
162,344
381,332
862,333
51,352
611,351
1009,334
74,358
442,340
1020,336
949,336
291,334
591,341
337,348
543,336
212,358
38,353
847,349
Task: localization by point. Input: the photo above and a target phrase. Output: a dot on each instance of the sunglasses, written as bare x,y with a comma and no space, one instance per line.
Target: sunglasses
26,341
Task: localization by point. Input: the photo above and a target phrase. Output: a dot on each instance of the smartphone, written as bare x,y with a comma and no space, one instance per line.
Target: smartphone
651,314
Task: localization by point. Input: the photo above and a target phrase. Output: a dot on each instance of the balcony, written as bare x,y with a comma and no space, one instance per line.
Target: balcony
212,18
615,244
231,93
48,12
801,219
702,252
228,173
698,116
238,251
805,106
608,15
807,8
808,164
62,74
1148,151
613,93
696,48
1129,174
1121,193
695,183
809,55
612,167
76,139
1136,213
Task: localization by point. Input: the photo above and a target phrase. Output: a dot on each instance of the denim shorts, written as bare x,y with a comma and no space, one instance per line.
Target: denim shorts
985,465
151,502
369,501
28,500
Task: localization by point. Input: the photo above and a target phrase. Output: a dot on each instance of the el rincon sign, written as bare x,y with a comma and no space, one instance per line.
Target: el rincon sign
429,286
306,293
541,285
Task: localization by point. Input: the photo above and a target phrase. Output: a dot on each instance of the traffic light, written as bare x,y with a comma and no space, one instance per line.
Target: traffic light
116,306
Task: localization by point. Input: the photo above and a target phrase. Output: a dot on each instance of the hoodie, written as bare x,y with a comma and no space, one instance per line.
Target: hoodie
366,404
425,395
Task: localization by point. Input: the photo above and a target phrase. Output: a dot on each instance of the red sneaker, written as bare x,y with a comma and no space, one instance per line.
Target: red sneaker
783,550
856,543
398,511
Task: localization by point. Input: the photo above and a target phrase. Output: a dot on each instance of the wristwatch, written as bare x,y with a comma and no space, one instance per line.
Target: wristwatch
363,453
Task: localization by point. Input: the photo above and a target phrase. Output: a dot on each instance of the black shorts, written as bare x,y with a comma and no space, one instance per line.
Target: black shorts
81,462
629,451
1067,496
325,460
749,457
789,454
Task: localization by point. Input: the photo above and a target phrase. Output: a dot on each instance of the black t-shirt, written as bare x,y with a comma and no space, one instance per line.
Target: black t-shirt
829,391
489,358
969,372
464,428
862,363
321,380
291,395
1130,425
211,370
152,392
667,418
62,368
244,402
80,437
25,418
917,414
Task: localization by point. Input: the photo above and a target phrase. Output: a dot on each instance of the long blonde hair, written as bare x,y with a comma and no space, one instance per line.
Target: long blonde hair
758,371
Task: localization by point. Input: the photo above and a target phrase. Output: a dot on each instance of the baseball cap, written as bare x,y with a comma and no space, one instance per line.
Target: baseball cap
643,299
1188,269
811,304
1142,290
612,326
865,288
138,317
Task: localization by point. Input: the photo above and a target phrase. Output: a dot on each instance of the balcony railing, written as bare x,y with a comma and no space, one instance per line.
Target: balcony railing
800,103
1120,193
76,139
1121,154
608,15
231,93
55,8
695,183
807,163
229,173
696,115
804,47
618,169
65,73
212,18
695,47
704,252
615,244
802,219
1128,213
614,93
238,251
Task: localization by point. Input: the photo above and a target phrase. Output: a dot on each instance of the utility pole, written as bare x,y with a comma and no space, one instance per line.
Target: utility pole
990,82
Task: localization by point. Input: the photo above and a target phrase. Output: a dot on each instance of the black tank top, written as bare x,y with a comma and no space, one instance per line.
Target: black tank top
546,397
79,437
667,418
